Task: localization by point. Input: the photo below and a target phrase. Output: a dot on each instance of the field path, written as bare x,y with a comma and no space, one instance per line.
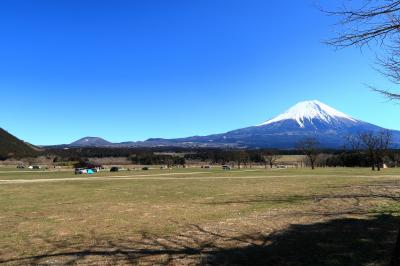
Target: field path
170,176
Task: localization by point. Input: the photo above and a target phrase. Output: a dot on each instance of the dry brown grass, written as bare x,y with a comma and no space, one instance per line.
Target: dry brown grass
201,217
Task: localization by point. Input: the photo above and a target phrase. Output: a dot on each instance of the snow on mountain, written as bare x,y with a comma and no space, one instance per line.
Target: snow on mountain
90,142
308,111
305,119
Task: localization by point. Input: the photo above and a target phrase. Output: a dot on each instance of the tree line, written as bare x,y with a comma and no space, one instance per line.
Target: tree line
368,149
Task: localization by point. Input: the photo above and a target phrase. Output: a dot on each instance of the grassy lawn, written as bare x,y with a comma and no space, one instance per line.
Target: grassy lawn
206,216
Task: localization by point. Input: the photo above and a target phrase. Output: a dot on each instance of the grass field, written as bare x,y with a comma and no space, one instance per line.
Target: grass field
199,216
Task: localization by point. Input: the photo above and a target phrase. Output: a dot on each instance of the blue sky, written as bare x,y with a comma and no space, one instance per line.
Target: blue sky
131,70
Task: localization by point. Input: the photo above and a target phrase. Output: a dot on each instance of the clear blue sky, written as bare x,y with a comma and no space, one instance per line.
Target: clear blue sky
131,70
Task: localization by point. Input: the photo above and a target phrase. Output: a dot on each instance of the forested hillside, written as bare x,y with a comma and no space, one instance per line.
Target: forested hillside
12,147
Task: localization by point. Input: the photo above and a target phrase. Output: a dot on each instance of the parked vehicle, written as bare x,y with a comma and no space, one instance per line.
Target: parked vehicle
226,167
88,165
114,169
21,166
145,168
79,171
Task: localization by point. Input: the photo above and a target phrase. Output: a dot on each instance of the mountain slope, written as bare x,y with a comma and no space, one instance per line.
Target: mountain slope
305,119
90,142
11,146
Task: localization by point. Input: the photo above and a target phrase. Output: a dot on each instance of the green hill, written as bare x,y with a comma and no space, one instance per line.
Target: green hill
12,147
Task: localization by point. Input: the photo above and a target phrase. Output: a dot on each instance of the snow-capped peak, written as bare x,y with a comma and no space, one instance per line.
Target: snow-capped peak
309,110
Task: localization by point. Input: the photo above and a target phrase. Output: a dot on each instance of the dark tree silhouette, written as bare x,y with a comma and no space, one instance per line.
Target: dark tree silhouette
376,145
270,158
309,146
373,23
241,157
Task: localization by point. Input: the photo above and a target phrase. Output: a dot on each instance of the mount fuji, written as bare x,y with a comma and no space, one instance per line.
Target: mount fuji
305,119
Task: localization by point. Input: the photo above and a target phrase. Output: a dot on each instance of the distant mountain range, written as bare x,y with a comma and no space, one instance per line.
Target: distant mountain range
303,120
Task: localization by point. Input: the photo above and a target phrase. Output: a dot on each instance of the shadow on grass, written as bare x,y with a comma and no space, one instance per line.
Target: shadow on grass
345,241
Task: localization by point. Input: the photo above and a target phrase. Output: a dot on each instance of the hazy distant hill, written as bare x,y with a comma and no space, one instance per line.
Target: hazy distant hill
90,142
11,146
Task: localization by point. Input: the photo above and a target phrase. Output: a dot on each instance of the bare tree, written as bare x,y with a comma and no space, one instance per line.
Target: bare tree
375,144
373,23
270,158
241,157
352,142
309,146
384,140
370,143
